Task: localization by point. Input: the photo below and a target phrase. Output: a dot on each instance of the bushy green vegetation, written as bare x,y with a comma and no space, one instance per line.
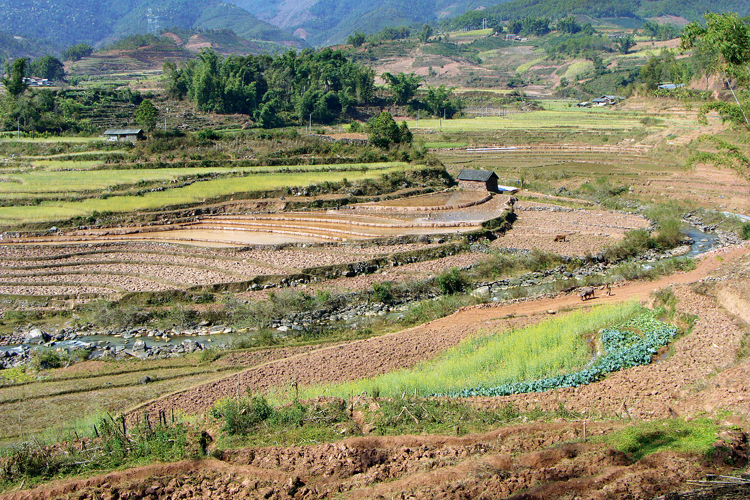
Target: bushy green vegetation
544,350
630,344
110,445
319,86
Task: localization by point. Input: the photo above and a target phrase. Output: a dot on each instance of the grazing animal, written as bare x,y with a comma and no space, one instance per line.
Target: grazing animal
608,290
586,293
561,237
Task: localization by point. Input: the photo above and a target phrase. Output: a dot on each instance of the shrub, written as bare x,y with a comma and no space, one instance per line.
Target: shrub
382,292
635,242
242,415
46,360
745,231
451,281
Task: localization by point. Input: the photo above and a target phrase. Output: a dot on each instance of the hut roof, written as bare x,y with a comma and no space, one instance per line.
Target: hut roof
476,175
123,131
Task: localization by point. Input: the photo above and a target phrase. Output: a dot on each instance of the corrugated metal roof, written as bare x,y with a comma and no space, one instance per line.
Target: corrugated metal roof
123,131
476,175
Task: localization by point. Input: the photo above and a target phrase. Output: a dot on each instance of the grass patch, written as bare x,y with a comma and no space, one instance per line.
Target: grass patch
578,70
646,438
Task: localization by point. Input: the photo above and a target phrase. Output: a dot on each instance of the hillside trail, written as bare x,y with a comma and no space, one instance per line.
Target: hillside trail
630,290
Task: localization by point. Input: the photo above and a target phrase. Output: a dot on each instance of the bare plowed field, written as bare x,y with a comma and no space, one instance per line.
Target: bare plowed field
585,231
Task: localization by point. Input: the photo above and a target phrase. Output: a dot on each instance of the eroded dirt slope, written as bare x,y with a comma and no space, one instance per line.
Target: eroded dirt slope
523,462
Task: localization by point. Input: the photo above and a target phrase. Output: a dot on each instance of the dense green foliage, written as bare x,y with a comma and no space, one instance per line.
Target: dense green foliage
403,86
665,68
724,42
146,115
576,45
14,83
77,52
48,67
384,132
660,31
56,111
293,87
133,42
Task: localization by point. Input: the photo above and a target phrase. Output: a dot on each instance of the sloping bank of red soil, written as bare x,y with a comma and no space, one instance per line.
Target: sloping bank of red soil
522,462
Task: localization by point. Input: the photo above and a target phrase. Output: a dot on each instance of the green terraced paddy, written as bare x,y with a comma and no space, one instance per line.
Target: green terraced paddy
257,179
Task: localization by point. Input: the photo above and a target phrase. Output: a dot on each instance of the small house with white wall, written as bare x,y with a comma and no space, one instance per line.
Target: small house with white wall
124,134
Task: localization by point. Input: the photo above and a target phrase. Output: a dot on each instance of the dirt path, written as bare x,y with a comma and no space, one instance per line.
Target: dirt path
408,347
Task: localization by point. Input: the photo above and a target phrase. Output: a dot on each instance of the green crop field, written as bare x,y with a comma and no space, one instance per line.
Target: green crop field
67,164
550,348
258,179
72,139
476,33
588,119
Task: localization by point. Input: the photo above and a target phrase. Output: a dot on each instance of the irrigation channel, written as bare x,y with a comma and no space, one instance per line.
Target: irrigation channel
142,343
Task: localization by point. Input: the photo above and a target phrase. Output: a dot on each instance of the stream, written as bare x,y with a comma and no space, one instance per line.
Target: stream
180,344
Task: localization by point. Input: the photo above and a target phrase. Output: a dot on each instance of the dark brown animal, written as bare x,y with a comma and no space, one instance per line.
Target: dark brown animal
561,237
586,293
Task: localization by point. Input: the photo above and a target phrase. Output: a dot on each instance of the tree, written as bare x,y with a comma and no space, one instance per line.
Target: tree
569,25
725,38
439,101
146,115
664,68
14,83
356,39
425,33
403,86
383,131
624,44
77,52
48,67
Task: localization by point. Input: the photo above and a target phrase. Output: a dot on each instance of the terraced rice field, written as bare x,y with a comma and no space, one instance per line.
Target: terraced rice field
238,248
117,267
59,195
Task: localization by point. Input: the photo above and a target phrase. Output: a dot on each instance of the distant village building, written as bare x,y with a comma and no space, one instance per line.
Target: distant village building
33,81
124,134
671,86
605,100
482,180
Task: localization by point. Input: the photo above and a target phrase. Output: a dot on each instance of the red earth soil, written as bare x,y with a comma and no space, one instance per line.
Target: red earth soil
534,461
703,373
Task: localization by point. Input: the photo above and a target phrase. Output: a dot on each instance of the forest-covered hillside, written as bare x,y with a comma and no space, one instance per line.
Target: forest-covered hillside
638,10
319,22
65,22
